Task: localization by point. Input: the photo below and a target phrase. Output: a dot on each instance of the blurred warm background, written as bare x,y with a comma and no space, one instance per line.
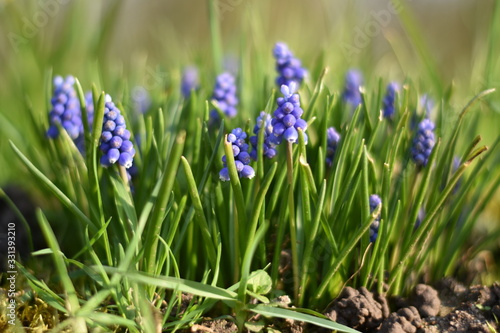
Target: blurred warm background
436,43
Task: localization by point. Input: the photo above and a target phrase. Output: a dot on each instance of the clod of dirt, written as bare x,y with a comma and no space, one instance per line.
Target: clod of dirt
486,296
426,300
219,326
359,309
496,311
467,320
406,320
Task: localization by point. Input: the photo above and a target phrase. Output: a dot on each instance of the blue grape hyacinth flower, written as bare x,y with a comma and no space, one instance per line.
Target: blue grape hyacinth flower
332,140
65,109
423,143
287,117
190,81
390,99
115,138
375,201
269,146
89,106
288,67
141,99
353,82
427,104
225,96
241,156
420,218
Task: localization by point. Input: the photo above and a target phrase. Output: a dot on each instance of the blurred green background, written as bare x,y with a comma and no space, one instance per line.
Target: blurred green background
115,44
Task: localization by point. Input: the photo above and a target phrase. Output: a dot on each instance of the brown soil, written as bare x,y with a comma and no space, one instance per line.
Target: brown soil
446,307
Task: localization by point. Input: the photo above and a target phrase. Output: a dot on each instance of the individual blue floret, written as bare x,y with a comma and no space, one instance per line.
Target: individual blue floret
190,81
390,99
115,138
65,109
269,146
287,117
288,67
353,82
332,140
241,156
375,201
423,143
225,96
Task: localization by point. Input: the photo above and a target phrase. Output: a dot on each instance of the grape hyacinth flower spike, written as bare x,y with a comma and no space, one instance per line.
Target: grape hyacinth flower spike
241,156
390,99
115,138
269,146
65,109
89,106
225,96
420,218
353,82
141,99
288,67
427,104
423,143
332,140
287,117
190,81
375,201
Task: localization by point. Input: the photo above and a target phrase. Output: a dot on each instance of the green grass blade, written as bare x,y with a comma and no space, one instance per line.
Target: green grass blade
199,213
73,304
56,191
275,312
167,183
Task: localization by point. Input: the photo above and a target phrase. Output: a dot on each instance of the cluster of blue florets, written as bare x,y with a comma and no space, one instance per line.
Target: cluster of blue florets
269,146
423,143
242,158
287,117
190,81
288,67
115,138
390,99
225,96
332,140
65,109
375,201
353,82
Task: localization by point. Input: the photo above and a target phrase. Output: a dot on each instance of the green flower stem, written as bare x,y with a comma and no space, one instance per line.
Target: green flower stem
241,217
124,177
291,218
